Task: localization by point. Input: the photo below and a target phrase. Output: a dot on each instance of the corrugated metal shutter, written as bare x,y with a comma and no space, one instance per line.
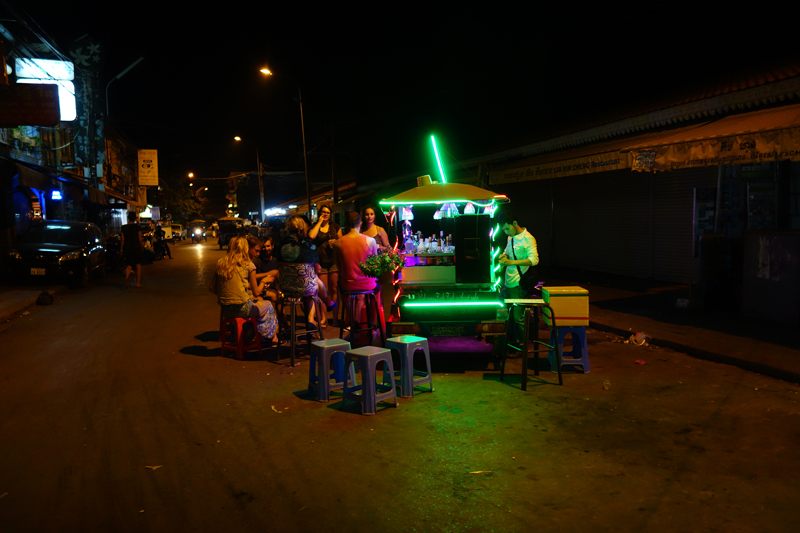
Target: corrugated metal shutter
602,222
673,217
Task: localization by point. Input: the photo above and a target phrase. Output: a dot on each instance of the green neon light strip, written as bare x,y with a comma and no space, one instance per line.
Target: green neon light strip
438,161
497,304
382,202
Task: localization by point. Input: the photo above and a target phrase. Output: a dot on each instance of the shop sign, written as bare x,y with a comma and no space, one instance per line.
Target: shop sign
29,105
755,148
568,167
148,168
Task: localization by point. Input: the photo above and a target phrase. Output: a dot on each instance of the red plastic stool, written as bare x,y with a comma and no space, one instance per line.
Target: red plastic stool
238,344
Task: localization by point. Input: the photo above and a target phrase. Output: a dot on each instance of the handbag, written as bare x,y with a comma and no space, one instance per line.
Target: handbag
528,280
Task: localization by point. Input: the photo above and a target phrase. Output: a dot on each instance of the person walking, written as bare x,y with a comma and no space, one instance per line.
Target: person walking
133,248
519,255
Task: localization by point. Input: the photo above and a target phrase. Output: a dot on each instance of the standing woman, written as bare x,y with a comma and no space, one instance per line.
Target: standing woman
371,229
235,285
133,248
322,234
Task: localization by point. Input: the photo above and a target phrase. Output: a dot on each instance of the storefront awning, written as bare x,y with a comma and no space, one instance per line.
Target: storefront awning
764,135
115,194
34,179
747,138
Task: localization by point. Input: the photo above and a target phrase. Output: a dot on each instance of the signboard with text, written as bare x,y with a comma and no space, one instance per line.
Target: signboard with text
29,105
148,168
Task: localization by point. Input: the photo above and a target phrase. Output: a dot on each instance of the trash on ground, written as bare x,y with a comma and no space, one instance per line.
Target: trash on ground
153,467
481,472
640,339
45,298
273,408
606,384
639,362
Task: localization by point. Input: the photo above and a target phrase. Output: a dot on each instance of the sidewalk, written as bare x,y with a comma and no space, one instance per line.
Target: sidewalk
626,306
15,299
623,306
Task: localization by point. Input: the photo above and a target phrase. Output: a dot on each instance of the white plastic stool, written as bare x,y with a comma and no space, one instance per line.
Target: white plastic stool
407,346
372,392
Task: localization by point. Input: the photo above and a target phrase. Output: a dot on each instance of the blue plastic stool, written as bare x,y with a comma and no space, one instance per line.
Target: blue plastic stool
372,392
407,346
580,350
322,353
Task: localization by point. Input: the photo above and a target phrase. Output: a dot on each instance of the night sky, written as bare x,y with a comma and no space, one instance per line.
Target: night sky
377,80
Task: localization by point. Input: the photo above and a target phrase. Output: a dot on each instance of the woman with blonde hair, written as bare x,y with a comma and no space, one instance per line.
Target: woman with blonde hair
235,285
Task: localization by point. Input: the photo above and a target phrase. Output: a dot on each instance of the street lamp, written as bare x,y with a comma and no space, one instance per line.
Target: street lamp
260,183
267,72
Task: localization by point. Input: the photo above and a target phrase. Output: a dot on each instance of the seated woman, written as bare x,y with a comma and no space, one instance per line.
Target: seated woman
296,259
235,285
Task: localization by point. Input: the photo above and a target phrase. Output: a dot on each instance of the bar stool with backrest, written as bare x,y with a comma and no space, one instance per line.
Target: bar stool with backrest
355,327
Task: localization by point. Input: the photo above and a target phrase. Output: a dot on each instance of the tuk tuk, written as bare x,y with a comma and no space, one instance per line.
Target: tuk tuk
197,230
229,227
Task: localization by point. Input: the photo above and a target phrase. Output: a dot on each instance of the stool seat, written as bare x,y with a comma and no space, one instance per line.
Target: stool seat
319,371
299,330
372,302
580,351
367,359
238,345
407,346
532,308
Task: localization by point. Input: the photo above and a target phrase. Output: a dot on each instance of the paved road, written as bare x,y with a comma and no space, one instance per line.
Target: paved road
107,382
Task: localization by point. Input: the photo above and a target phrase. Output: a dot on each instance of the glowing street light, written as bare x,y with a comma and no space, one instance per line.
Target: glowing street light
268,72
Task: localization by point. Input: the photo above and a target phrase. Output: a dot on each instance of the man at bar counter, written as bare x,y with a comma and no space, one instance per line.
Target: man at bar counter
520,255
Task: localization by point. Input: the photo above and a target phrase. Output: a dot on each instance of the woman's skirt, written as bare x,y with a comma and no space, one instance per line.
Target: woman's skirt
262,310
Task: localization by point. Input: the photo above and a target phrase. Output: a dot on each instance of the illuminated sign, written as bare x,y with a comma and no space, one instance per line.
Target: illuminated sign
51,72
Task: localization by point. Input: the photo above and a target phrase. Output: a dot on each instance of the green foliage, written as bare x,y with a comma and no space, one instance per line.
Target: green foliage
386,260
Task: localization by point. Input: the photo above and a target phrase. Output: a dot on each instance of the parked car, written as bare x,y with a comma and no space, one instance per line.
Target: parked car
59,250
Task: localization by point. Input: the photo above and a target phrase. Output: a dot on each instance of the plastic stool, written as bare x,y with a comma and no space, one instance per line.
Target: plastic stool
319,371
238,335
372,392
580,351
348,304
407,346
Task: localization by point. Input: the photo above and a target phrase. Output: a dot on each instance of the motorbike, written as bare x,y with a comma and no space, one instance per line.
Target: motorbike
114,260
198,234
160,248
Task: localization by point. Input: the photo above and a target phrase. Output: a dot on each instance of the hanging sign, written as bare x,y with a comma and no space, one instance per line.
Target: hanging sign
148,168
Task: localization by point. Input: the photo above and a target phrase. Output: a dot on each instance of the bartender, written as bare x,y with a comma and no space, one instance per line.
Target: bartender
520,255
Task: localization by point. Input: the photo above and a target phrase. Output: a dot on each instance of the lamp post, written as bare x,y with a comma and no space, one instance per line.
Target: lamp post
260,183
267,72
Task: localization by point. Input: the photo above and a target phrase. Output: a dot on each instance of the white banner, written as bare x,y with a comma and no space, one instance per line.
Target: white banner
148,168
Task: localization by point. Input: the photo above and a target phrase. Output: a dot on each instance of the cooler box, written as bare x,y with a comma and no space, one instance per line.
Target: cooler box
570,304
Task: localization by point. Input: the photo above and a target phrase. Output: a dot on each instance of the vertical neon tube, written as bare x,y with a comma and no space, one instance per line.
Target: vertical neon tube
438,161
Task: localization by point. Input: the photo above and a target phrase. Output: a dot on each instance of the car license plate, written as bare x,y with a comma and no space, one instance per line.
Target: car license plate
37,272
